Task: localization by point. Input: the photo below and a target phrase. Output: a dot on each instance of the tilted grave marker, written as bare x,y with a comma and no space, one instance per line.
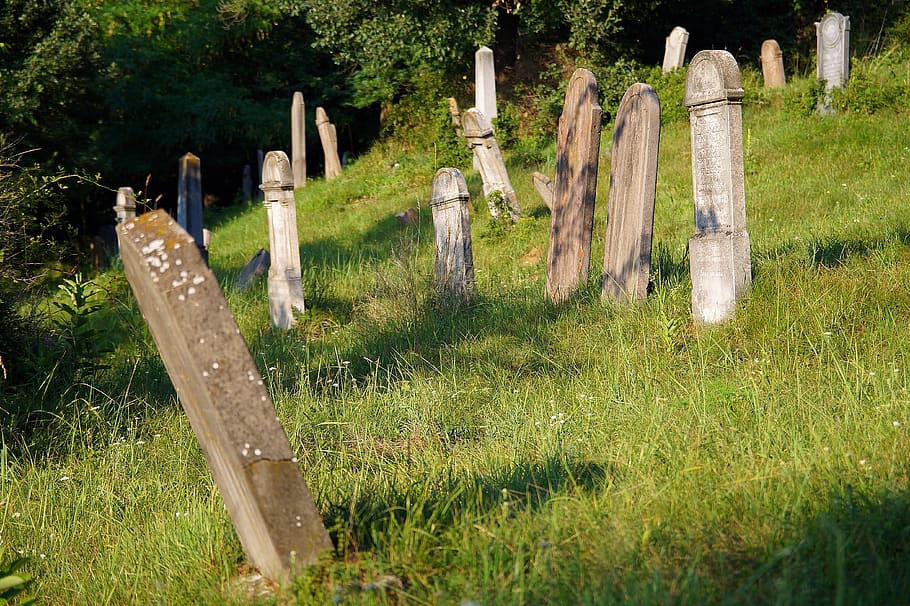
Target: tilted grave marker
544,187
675,49
719,260
255,267
572,213
247,184
633,184
833,50
329,138
497,187
223,395
298,139
485,83
452,229
772,64
189,199
285,284
126,204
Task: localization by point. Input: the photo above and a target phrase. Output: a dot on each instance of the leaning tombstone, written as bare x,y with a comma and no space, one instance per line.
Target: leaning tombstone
633,184
222,393
772,64
189,200
833,49
298,139
675,49
497,187
285,283
544,187
719,258
256,267
485,83
452,229
329,138
126,204
575,188
247,184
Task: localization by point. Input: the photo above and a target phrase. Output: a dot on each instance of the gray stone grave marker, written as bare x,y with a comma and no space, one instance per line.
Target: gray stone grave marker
256,267
189,199
126,204
485,83
329,138
675,49
259,159
497,187
223,395
455,113
247,184
575,188
633,184
298,139
544,187
772,64
833,49
719,258
452,228
285,284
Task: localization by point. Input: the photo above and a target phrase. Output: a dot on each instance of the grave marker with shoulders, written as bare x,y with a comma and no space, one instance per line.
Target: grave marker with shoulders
189,199
298,139
452,229
772,64
485,83
675,49
497,187
833,50
329,138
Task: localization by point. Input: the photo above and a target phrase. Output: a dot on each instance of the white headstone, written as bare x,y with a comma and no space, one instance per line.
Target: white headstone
497,187
485,83
833,48
298,139
675,49
126,204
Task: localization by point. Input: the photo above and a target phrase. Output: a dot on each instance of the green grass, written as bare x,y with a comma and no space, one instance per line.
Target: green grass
513,452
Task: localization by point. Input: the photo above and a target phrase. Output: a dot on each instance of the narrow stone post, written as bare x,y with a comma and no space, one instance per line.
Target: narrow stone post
455,113
247,184
222,393
833,50
189,199
719,257
285,284
298,139
633,184
572,214
485,83
452,228
544,187
126,204
329,139
772,64
497,187
259,159
675,49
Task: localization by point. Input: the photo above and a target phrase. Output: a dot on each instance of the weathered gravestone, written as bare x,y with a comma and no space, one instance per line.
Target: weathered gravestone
544,187
126,204
633,184
260,155
497,187
223,395
833,50
189,199
772,64
719,260
675,49
329,138
485,83
452,228
572,213
255,267
455,114
247,184
285,284
298,139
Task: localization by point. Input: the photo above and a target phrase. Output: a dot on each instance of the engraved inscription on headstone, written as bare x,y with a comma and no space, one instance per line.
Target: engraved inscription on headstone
452,229
772,64
298,139
485,83
497,187
833,50
675,49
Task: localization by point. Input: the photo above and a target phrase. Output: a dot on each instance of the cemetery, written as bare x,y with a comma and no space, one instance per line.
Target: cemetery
410,377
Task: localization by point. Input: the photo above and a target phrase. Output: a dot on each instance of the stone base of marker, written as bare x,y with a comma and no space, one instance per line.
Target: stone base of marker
721,273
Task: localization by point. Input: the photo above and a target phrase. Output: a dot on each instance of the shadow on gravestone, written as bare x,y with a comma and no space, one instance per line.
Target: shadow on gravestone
452,231
223,395
189,199
329,138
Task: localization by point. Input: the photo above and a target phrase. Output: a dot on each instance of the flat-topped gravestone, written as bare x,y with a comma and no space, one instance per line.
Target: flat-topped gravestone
329,138
772,64
452,230
833,48
298,139
544,187
485,83
719,257
675,49
285,284
497,187
247,184
633,184
223,395
575,188
189,199
126,204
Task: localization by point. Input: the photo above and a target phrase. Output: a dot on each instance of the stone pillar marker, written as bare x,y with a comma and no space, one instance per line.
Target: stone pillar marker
772,64
298,139
719,257
575,188
485,83
189,199
833,49
247,184
479,133
452,229
329,138
633,185
675,49
126,204
221,391
285,285
259,160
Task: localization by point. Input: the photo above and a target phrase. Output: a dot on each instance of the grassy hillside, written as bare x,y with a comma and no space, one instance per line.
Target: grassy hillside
510,451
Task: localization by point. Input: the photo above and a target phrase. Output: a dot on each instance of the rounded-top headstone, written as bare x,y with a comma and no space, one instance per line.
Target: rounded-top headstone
475,124
713,76
831,25
276,172
449,185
